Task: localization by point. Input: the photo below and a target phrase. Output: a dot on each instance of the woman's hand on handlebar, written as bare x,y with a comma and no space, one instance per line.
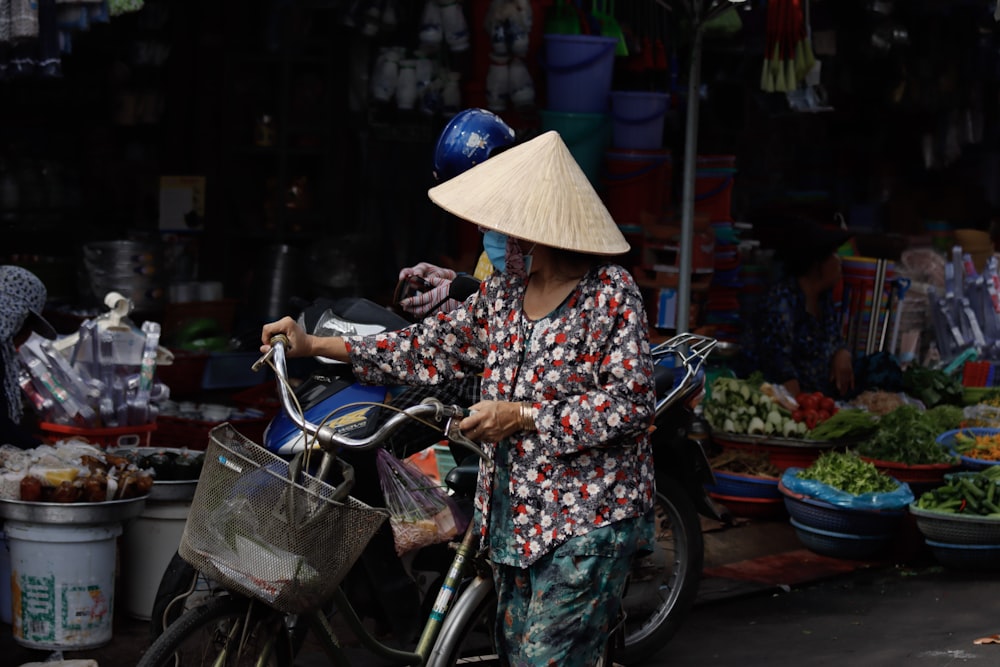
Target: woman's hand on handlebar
301,344
298,345
492,421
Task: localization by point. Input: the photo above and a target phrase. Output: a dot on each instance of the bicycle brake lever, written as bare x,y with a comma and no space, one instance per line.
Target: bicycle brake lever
454,434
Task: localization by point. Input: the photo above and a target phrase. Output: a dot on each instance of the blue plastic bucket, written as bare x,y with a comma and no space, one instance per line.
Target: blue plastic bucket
638,119
579,69
586,135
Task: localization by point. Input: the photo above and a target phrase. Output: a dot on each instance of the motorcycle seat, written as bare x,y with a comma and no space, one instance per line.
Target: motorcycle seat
666,377
462,478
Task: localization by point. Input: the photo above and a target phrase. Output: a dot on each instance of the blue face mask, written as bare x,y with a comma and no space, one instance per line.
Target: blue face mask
495,245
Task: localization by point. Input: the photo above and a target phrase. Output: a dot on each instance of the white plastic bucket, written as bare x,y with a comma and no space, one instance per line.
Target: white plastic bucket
5,604
149,542
62,584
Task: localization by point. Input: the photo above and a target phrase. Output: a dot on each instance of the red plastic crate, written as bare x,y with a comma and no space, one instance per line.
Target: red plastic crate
193,433
121,436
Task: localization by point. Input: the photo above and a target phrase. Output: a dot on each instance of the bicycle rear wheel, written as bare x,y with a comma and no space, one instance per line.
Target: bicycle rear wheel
223,632
662,587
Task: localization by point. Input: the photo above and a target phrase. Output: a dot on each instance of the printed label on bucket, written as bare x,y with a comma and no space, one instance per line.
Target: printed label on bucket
34,601
43,615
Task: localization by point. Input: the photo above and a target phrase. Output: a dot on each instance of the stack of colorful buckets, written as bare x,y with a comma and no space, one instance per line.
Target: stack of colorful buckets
579,69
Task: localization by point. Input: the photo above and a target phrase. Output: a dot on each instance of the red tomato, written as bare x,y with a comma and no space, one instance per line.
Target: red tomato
806,401
823,415
812,418
798,415
826,403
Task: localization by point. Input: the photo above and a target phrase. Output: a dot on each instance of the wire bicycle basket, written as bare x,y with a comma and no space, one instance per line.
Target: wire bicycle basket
256,531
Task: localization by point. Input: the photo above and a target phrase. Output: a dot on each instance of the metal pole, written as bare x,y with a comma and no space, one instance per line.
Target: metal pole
690,159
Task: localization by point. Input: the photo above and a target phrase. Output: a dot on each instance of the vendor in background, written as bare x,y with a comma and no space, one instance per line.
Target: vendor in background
794,336
22,299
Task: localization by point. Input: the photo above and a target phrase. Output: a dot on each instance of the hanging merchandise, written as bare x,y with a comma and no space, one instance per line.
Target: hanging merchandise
443,21
788,53
508,23
966,316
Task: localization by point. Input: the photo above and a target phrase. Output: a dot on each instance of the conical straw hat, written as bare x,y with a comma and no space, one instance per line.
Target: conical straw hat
536,192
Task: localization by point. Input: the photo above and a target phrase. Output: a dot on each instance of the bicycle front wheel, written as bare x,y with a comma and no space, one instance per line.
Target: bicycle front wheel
223,632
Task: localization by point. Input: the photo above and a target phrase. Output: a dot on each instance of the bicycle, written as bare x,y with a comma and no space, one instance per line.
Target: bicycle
280,539
460,626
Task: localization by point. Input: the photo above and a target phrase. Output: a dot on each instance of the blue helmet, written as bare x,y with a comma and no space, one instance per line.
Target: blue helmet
468,139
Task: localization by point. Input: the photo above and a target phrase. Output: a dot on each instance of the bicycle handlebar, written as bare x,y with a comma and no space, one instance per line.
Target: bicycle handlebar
429,408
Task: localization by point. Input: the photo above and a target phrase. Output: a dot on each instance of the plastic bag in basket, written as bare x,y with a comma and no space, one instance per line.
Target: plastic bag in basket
420,511
982,415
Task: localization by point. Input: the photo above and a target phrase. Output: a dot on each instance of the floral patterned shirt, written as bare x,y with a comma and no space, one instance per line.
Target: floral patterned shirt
785,342
587,371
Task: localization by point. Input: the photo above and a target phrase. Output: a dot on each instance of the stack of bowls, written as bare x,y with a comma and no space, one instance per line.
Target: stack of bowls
841,532
131,268
750,496
960,541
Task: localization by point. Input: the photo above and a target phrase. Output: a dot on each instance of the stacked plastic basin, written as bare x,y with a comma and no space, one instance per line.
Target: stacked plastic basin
638,170
578,70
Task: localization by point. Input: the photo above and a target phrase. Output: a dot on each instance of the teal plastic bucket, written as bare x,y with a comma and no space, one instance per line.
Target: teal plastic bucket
638,119
578,72
586,135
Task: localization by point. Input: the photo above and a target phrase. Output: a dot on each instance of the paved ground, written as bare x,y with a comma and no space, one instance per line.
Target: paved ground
767,601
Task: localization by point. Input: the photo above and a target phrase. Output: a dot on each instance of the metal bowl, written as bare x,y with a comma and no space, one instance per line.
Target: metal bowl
72,513
169,491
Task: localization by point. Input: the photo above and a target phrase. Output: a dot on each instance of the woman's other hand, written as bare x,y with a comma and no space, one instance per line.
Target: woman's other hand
842,371
492,421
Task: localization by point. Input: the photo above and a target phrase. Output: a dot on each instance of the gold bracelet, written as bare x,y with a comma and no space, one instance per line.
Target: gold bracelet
527,414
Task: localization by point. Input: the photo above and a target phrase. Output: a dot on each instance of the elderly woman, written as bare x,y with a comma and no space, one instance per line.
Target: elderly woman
560,337
22,299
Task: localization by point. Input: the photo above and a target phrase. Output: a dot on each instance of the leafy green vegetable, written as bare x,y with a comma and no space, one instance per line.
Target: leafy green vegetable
945,417
849,473
932,386
906,435
846,423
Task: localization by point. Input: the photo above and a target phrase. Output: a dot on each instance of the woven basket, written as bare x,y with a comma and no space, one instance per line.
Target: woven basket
842,545
956,528
822,515
983,557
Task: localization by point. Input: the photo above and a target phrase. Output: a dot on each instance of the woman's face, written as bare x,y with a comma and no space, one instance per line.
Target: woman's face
830,270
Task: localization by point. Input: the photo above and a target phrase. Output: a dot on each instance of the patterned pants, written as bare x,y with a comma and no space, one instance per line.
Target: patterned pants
561,610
